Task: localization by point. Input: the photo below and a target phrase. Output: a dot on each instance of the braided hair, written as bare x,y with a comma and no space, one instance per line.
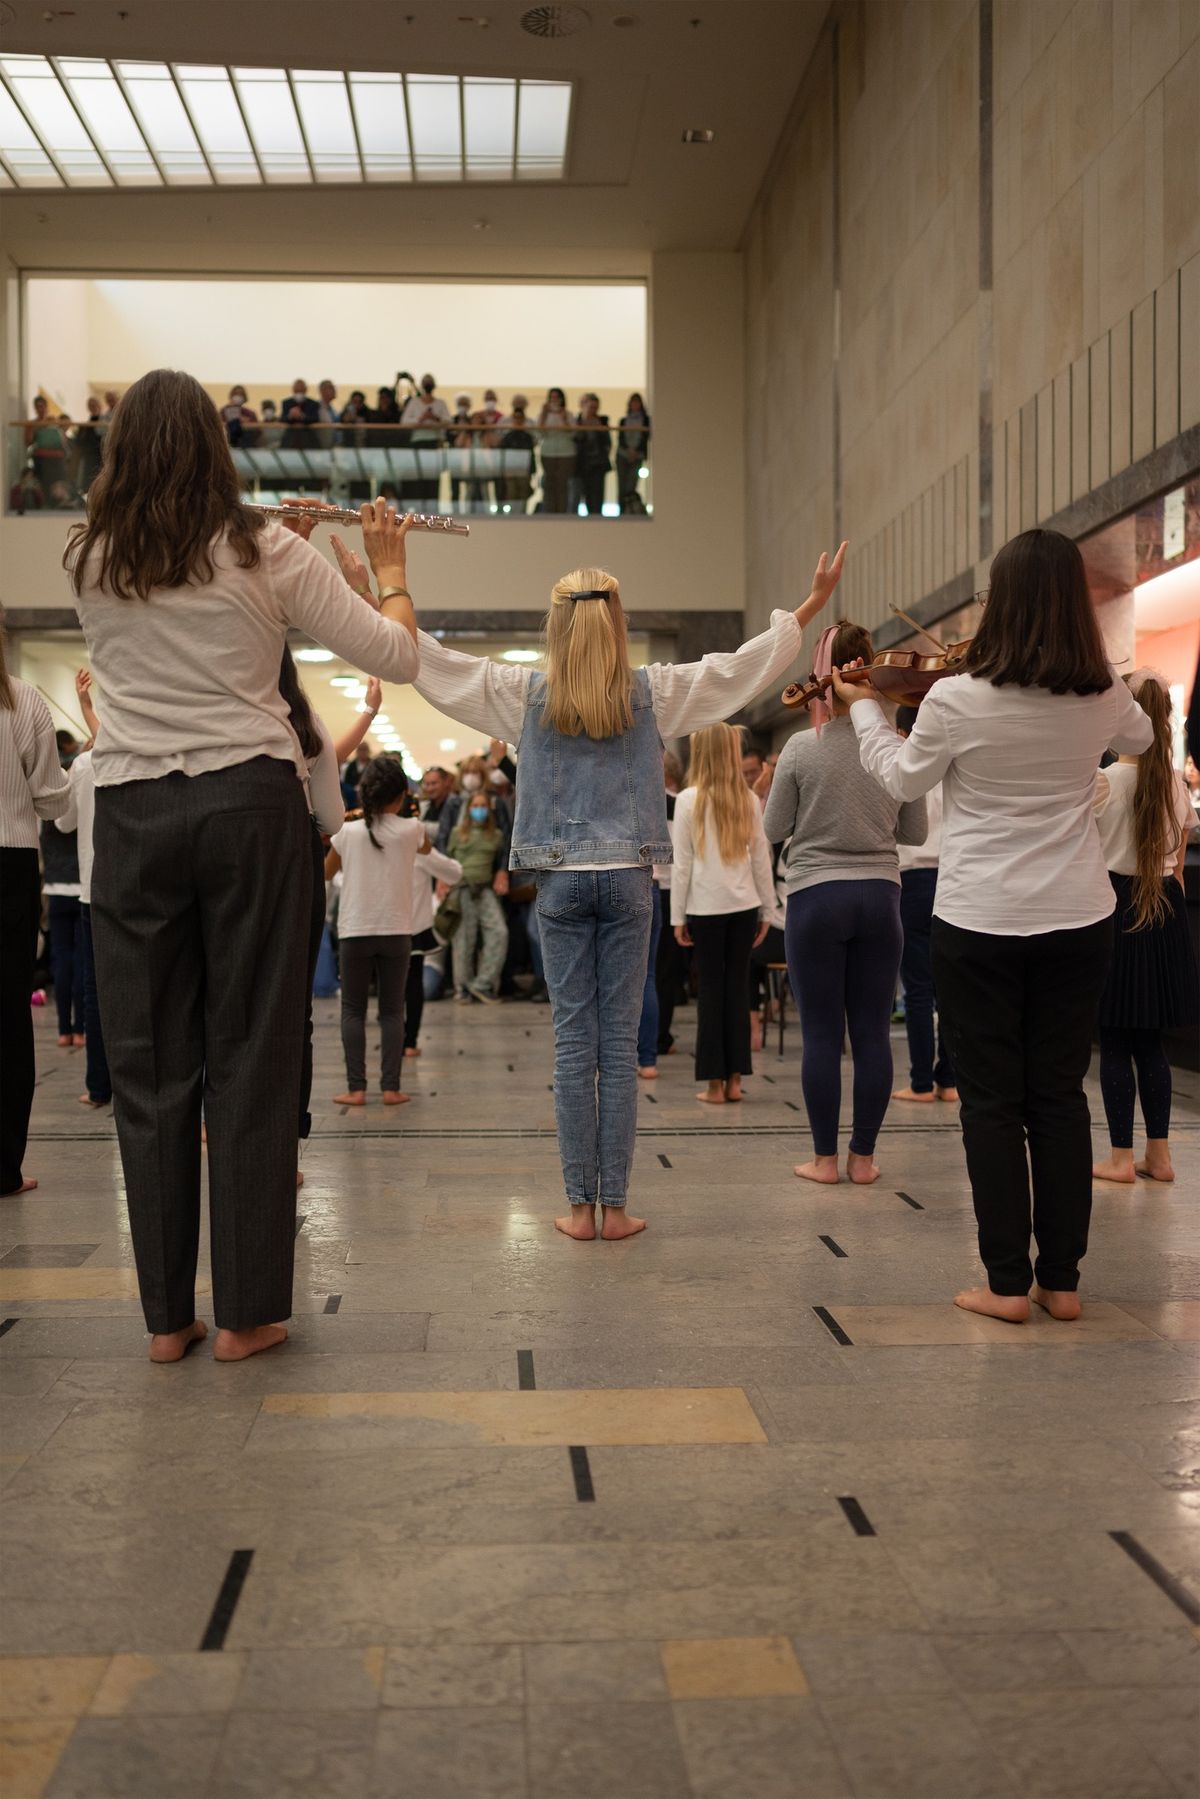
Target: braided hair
383,780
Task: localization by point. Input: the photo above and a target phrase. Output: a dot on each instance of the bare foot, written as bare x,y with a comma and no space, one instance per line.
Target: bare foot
85,1099
203,1132
172,1346
1012,1308
908,1093
713,1095
647,1074
79,1040
391,1097
1119,1167
821,1168
862,1170
949,1094
1157,1165
410,1053
579,1223
618,1224
756,1032
299,1179
1059,1305
350,1099
25,1187
65,1042
236,1346
733,1089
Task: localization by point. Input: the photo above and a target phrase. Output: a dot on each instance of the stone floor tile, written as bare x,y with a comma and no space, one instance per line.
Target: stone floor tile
1102,1322
47,1255
482,1753
763,1748
30,1749
1002,1661
30,1377
1061,1744
1166,1721
295,1755
607,1673
732,1668
864,1663
600,1752
899,1747
1178,1320
137,1758
311,1680
23,1285
28,1421
167,1685
1127,1658
48,1686
458,1675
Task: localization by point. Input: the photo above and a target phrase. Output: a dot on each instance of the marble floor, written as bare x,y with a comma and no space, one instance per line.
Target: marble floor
740,1510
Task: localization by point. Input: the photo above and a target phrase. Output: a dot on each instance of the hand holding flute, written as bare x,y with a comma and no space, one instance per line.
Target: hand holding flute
384,534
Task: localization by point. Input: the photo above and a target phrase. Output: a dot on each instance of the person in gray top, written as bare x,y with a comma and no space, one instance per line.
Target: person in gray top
843,930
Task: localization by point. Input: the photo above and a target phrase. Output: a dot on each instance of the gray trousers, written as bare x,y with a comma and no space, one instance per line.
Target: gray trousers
388,958
201,896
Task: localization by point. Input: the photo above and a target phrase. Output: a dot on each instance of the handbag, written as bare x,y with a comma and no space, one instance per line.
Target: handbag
449,915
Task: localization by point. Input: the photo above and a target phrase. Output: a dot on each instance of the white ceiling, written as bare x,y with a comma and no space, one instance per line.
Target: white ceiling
632,185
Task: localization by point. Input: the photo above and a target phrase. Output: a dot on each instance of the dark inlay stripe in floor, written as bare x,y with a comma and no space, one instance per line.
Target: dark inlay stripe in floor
7,1325
651,1098
508,1133
217,1628
833,1248
833,1327
525,1375
791,1105
1164,1580
333,1302
910,1201
300,1217
581,1470
665,1160
857,1519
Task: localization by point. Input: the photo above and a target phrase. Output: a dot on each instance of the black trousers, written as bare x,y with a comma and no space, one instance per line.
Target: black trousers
387,959
414,987
201,898
670,975
62,912
929,1065
723,943
316,930
1019,1013
98,1080
20,909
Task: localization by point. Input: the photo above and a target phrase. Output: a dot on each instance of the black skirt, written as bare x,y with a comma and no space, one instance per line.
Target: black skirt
1152,981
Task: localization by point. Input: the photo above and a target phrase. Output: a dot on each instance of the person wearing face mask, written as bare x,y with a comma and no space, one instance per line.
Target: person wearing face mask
426,418
298,412
516,440
237,415
477,843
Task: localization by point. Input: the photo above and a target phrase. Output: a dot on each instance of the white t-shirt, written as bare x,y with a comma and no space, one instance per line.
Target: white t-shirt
427,870
377,884
80,816
1020,850
1115,821
702,884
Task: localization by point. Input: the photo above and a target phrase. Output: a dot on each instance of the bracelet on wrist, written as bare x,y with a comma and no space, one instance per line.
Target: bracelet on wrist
388,593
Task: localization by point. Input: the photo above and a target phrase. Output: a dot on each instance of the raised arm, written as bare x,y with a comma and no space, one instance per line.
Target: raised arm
690,695
377,636
349,741
485,695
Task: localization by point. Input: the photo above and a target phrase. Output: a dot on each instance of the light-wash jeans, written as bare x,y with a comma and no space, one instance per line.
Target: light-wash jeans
482,919
595,932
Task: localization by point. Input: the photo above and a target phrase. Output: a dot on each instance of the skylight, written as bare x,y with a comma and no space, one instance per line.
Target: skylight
80,121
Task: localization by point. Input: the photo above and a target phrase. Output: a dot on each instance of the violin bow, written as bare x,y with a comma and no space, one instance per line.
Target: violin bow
921,631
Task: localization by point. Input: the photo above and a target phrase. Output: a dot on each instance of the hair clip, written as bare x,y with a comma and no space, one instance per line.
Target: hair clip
591,593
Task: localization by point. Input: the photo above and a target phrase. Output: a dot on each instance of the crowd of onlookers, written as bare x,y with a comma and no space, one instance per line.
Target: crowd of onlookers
572,453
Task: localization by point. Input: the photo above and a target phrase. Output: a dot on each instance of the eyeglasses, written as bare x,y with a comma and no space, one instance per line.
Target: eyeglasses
981,598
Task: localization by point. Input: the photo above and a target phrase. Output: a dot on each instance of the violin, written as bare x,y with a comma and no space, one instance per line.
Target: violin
902,676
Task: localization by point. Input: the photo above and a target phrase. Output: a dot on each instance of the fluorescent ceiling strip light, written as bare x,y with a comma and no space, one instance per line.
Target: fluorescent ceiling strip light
46,104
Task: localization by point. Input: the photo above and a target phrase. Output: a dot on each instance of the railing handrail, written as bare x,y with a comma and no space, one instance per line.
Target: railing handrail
67,423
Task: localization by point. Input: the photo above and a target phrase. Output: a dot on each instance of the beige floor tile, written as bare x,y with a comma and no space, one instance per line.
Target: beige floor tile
48,1686
30,1750
33,1284
613,1415
733,1668
168,1685
884,1326
1176,1319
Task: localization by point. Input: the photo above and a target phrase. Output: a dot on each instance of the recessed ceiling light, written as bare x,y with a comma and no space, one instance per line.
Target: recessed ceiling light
313,655
695,136
520,655
448,743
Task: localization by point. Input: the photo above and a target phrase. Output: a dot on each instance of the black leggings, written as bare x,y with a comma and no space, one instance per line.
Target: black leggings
1121,1052
414,987
723,943
316,930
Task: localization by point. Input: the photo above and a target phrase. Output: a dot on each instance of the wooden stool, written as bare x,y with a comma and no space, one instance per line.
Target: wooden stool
777,993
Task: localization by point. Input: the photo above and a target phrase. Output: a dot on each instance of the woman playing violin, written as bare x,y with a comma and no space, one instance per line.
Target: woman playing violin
1022,926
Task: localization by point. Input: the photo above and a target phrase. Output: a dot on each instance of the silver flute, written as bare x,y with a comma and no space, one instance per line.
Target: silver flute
345,515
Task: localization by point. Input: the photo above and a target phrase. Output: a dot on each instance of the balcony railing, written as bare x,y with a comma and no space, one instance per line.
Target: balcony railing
504,470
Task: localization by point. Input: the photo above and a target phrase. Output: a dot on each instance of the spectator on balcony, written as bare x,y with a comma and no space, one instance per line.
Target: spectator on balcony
427,418
556,429
271,434
26,494
592,459
327,416
110,400
89,444
355,414
298,411
237,415
47,445
633,447
386,414
517,483
463,438
487,420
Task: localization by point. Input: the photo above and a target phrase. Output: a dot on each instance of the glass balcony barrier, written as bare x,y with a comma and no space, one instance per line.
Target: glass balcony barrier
53,461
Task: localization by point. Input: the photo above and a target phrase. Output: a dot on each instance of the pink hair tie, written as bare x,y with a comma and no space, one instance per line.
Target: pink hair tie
819,708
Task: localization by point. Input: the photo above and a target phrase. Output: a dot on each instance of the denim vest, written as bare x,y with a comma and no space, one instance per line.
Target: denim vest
581,800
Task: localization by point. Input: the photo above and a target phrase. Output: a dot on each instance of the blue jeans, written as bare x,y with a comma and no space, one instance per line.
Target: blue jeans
843,951
98,1080
918,889
595,932
647,1045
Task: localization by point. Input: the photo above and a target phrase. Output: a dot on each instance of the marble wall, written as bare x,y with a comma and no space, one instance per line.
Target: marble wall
929,277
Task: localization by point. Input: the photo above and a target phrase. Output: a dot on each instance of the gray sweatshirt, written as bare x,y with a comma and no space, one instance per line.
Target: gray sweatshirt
842,824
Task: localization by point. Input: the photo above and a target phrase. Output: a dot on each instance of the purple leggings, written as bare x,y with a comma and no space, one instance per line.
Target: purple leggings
843,950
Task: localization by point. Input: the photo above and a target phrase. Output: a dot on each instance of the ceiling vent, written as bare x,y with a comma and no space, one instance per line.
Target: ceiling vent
554,21
694,136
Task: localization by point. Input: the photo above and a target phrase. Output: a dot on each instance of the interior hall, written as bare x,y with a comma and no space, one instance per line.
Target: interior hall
600,899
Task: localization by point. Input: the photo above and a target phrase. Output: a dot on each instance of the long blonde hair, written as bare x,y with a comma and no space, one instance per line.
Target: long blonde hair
715,771
588,678
1153,801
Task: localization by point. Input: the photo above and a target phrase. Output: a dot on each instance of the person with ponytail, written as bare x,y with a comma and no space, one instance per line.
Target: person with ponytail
376,855
721,886
843,916
1144,827
591,822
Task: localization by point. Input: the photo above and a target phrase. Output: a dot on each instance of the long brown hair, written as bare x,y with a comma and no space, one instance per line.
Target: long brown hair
167,489
1039,625
300,712
1153,802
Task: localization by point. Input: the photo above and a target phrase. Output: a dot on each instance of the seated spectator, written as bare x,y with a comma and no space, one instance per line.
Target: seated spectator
555,429
47,444
633,448
297,412
26,493
237,416
516,435
592,460
426,418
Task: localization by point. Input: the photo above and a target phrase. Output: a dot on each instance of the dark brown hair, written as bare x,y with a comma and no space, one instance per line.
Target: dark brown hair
1039,626
300,712
1157,832
167,489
